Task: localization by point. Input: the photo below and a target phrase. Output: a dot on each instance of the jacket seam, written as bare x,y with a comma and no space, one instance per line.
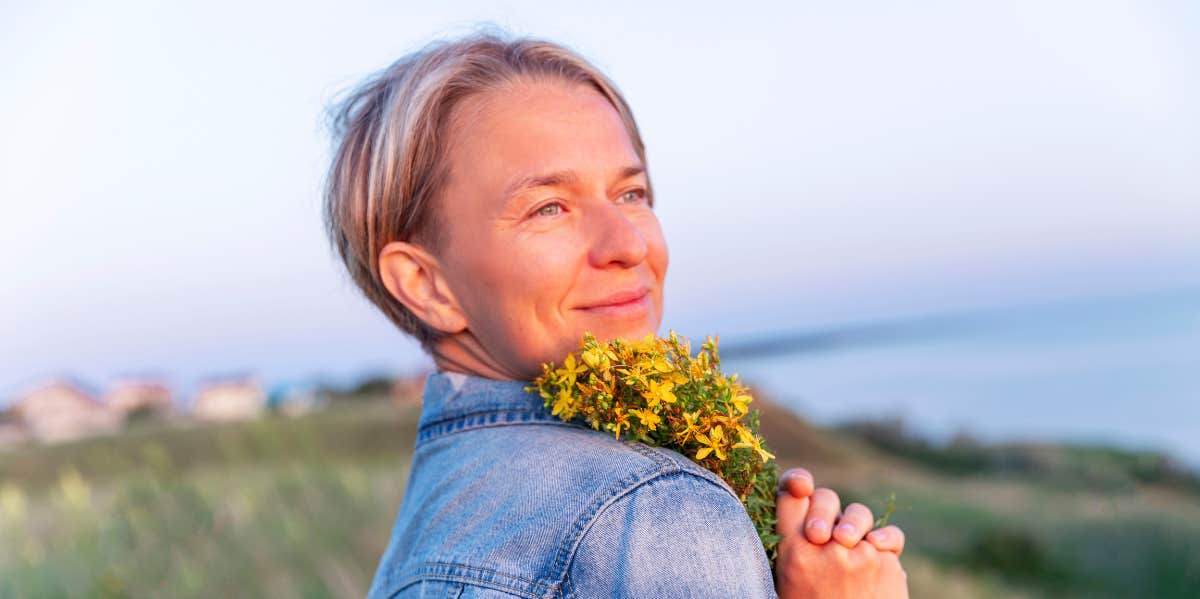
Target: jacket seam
464,574
662,468
480,420
683,464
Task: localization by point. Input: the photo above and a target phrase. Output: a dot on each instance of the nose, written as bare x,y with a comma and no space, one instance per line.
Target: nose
615,239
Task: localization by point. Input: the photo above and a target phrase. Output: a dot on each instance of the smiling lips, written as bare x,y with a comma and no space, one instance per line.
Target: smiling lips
630,303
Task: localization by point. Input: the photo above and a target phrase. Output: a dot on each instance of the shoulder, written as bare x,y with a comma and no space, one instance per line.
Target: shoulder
674,523
572,458
514,505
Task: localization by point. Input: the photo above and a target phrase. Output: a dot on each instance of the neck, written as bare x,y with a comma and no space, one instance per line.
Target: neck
462,352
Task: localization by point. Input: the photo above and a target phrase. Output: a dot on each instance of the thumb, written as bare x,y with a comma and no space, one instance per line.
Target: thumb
789,514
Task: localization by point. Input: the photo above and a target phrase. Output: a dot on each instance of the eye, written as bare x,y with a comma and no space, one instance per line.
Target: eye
551,209
634,195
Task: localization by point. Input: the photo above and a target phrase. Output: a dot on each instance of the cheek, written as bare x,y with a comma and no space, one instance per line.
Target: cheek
520,285
656,248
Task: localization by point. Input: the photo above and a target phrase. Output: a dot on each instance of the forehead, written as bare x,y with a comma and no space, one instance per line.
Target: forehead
529,127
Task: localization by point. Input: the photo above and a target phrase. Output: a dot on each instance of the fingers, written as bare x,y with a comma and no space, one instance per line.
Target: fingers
823,510
854,523
889,538
789,513
797,481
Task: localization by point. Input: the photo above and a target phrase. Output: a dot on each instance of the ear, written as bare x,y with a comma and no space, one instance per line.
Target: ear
414,277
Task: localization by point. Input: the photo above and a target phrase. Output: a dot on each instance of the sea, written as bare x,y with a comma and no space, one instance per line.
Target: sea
1119,371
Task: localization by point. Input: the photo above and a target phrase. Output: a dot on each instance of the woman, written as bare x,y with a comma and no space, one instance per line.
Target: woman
492,198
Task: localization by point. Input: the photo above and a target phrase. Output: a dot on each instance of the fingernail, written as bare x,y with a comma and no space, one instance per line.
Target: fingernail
877,535
783,480
818,525
846,528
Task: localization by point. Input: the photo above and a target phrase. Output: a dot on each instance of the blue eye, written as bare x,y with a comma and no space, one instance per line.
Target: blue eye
544,212
639,195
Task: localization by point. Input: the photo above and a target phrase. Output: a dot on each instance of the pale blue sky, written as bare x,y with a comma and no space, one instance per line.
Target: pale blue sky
161,166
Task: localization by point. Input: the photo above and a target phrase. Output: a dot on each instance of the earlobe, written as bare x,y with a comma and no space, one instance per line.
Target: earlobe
414,278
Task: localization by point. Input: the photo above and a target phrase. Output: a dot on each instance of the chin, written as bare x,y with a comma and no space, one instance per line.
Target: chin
631,331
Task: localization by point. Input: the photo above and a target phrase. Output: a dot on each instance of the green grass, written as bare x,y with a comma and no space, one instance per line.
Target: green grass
278,507
302,508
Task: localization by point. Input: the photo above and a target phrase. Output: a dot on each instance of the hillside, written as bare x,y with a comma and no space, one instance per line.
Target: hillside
301,506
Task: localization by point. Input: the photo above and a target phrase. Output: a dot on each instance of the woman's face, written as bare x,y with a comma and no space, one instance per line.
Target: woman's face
550,233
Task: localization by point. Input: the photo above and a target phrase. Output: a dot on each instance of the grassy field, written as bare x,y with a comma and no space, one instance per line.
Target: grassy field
301,507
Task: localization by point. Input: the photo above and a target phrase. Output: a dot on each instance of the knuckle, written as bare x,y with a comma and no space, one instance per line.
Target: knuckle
861,558
890,560
842,557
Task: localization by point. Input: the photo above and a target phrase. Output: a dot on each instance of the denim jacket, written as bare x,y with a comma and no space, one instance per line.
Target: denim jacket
506,500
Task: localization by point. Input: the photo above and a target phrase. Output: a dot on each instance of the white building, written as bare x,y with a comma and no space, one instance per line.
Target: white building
139,397
227,400
61,410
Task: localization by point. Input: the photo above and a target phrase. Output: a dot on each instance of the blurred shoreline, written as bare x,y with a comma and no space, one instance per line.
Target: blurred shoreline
1116,371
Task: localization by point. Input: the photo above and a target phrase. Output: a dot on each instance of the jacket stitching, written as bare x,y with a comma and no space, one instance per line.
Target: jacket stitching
463,573
678,472
460,424
684,465
662,467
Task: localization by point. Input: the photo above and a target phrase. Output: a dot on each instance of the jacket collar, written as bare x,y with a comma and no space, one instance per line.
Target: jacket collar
450,398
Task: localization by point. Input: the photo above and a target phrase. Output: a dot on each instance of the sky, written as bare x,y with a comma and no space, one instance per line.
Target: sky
814,164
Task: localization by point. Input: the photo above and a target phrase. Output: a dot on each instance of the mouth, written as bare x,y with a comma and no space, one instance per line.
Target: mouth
624,304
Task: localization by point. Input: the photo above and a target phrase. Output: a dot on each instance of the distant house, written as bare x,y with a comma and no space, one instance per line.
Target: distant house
62,410
233,399
294,399
139,398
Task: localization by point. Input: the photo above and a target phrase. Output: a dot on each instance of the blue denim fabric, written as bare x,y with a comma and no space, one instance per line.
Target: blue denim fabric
506,500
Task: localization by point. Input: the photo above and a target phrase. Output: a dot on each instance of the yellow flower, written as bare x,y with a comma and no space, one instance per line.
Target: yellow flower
724,415
662,365
679,376
690,429
659,392
74,489
649,419
620,419
714,442
646,344
740,400
753,442
564,406
12,501
593,357
569,370
634,375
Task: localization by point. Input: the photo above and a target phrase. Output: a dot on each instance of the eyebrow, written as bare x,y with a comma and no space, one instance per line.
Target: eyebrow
560,178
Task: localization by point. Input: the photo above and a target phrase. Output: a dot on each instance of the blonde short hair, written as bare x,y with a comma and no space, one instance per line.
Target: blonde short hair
390,160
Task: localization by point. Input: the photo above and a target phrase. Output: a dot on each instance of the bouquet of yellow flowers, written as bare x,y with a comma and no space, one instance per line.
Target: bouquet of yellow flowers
655,392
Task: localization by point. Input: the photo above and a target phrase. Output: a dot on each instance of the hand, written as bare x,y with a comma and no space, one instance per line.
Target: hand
809,566
819,511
